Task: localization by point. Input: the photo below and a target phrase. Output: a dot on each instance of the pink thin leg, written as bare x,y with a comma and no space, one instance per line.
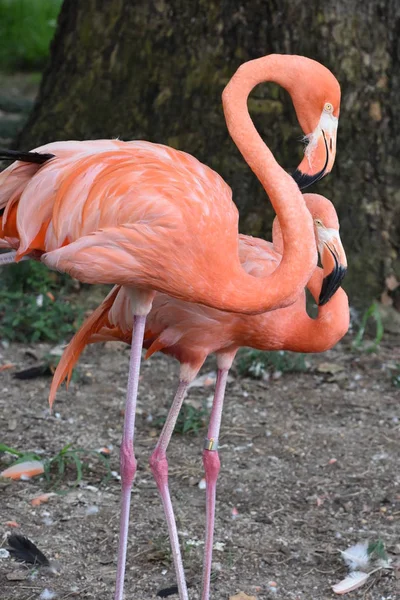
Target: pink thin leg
159,468
211,466
127,456
8,258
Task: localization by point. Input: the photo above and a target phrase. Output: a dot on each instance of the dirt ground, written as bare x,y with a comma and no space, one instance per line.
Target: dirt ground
309,463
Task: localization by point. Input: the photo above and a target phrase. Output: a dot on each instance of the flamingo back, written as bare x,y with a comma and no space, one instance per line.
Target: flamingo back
157,215
187,331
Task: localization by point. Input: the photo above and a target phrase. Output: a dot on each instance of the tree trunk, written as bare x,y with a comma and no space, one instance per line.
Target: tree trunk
155,70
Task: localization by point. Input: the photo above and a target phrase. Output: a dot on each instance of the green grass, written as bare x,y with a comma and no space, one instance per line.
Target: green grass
396,376
25,318
190,420
26,30
34,304
256,364
371,314
31,276
67,462
376,551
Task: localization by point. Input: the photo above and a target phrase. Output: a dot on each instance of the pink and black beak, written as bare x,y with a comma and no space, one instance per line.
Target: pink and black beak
320,152
304,175
331,284
334,263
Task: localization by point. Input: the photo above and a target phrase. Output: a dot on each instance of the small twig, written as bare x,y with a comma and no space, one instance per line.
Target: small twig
74,593
390,439
385,568
275,511
372,583
104,541
141,552
24,587
325,572
30,416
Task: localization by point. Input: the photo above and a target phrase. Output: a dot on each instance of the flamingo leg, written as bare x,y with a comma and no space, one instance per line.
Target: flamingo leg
9,257
211,464
127,456
159,468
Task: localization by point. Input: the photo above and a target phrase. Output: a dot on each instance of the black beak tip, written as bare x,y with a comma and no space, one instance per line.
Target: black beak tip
331,284
304,180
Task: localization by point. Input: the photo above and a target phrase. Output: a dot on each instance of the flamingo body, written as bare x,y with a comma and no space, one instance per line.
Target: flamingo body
139,212
190,332
154,219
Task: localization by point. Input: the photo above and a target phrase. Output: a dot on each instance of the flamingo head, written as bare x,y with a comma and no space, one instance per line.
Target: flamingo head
316,97
330,247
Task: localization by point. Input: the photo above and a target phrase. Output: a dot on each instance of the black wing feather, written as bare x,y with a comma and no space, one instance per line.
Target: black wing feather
167,591
31,157
32,372
24,550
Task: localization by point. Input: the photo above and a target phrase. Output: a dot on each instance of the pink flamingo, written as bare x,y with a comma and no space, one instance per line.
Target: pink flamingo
190,332
153,219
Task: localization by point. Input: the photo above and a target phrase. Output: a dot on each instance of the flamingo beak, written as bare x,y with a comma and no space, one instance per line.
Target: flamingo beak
320,153
334,262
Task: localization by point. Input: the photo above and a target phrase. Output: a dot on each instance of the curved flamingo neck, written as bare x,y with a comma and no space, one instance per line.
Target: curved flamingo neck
300,256
294,330
330,325
275,68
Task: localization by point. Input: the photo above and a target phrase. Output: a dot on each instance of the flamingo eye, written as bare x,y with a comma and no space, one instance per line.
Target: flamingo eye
328,107
318,222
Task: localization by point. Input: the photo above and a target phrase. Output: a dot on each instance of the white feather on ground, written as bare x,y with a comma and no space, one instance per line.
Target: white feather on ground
352,582
356,557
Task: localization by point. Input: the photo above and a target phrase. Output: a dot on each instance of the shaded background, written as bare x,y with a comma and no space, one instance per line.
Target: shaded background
156,70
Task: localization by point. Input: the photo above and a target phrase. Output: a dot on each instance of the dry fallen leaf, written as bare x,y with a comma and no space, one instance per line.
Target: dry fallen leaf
17,575
22,470
396,570
104,451
11,524
12,424
204,380
43,498
327,367
242,596
385,299
391,283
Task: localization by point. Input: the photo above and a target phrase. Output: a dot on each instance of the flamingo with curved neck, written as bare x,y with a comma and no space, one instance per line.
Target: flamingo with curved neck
191,332
152,218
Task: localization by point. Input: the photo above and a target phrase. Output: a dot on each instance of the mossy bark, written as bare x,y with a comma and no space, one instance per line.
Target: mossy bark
155,70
